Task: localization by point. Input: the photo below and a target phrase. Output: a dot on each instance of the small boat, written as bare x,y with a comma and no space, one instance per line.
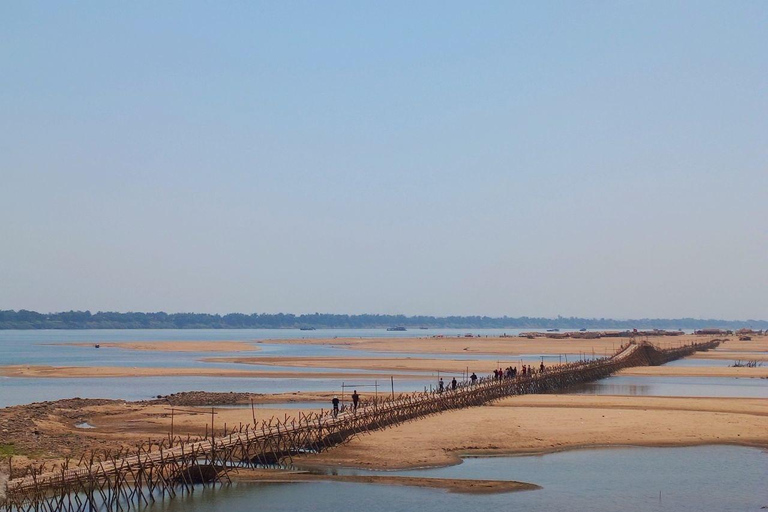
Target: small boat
307,329
97,346
399,328
582,330
553,330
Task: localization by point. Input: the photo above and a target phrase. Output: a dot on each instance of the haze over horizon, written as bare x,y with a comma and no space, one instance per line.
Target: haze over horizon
579,159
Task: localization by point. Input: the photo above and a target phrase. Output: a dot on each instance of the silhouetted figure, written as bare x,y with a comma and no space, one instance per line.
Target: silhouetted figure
454,384
541,367
335,403
473,378
440,385
355,399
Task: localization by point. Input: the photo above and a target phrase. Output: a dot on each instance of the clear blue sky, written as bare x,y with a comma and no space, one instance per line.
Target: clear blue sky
539,158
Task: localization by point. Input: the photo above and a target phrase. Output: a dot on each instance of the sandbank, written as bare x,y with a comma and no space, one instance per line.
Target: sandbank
41,371
760,372
174,346
410,364
732,355
456,485
511,345
516,425
548,423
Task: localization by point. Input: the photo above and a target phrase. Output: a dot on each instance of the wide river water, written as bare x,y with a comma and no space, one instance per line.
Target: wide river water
693,479
50,347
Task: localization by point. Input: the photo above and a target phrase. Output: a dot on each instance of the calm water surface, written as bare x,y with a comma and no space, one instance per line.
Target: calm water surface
676,386
713,478
40,348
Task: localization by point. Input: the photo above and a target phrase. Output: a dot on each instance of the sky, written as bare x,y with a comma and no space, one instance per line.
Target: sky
596,159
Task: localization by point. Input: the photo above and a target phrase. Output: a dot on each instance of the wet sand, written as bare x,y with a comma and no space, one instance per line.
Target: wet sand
452,366
760,372
176,346
494,345
458,367
123,371
449,484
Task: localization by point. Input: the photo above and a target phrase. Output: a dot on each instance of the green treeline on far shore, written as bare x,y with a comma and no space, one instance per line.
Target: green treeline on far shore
24,319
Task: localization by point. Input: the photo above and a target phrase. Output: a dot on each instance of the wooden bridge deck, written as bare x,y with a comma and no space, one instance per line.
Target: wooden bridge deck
118,481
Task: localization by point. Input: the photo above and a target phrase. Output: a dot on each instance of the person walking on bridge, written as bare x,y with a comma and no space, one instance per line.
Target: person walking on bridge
335,403
453,384
355,400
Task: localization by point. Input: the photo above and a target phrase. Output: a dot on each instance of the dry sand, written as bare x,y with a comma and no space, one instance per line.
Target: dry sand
517,425
533,423
410,364
457,367
497,345
506,346
732,355
176,346
547,423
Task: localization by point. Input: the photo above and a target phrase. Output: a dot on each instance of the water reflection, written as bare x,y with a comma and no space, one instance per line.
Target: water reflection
716,478
675,386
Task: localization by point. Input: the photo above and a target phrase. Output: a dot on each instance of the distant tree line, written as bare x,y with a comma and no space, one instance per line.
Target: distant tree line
24,319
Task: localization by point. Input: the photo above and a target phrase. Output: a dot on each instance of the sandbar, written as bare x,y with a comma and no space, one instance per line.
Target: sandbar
41,371
549,423
516,425
760,372
174,346
447,366
511,345
457,485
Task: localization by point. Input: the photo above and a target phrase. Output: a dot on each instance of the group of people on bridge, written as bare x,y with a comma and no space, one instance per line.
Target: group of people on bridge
511,371
498,374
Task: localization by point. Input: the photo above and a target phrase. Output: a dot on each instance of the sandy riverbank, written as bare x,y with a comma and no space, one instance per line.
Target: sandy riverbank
517,425
174,346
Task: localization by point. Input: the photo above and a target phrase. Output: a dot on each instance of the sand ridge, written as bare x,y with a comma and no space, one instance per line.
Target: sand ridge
510,345
457,485
540,424
173,346
411,364
760,372
43,371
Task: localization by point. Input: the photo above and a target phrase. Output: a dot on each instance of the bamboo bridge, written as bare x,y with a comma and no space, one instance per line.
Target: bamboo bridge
126,479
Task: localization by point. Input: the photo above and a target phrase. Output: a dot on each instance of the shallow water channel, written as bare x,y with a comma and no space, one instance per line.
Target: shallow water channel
710,478
727,387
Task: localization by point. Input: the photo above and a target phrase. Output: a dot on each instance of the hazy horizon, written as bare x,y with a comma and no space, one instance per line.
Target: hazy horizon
588,159
407,315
